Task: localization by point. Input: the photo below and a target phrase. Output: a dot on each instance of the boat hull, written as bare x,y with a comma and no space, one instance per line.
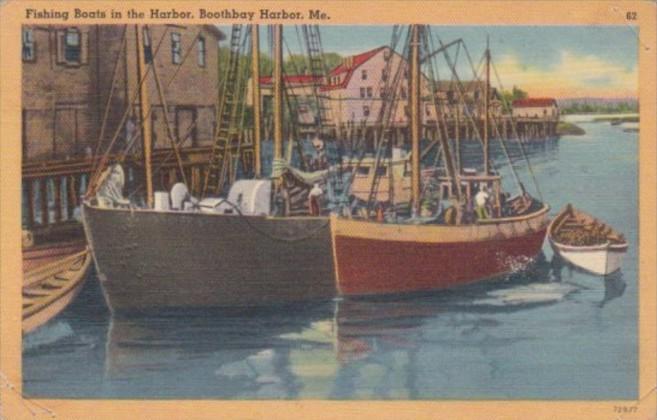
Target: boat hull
600,260
381,259
149,260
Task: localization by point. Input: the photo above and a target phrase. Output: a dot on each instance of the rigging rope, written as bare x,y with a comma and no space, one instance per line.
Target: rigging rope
513,127
94,177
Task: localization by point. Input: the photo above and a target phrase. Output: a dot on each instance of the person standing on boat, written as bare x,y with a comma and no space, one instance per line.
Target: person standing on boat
481,201
314,199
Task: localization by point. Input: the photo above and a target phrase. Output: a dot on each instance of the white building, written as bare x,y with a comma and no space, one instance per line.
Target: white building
546,108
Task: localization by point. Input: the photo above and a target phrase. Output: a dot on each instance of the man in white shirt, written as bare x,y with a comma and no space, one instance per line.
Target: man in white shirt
481,200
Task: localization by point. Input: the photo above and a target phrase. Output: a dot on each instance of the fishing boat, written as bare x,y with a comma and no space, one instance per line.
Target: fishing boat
48,289
377,256
242,249
587,242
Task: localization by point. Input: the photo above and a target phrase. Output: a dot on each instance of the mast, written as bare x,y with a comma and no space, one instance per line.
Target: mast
457,138
257,115
277,77
486,108
144,107
415,118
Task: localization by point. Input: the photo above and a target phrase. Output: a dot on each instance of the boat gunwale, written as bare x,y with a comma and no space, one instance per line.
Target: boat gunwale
37,275
200,213
485,222
438,233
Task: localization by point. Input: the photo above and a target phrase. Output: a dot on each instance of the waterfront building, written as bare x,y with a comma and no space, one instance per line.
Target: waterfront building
544,108
68,72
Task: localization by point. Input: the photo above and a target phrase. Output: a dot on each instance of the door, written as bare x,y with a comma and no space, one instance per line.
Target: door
185,125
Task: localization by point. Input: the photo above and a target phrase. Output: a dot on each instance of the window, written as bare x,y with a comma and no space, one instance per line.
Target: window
362,92
427,109
175,48
72,46
366,111
363,170
363,74
369,92
148,50
201,51
384,75
386,55
28,45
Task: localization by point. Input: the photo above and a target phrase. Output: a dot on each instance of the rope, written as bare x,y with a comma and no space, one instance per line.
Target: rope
245,218
522,148
94,177
110,96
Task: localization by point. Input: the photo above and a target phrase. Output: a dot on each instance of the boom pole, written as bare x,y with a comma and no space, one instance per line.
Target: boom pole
277,77
415,118
486,108
257,113
144,107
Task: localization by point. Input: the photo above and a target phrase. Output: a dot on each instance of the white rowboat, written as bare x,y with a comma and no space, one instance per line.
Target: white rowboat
586,242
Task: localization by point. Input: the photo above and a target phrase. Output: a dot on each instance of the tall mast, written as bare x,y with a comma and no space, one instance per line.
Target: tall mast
415,117
457,138
144,108
257,115
486,108
277,77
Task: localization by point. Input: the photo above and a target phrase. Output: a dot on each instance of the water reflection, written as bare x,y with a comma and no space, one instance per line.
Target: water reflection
346,348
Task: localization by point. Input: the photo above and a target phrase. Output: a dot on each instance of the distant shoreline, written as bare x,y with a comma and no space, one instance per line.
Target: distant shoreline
568,128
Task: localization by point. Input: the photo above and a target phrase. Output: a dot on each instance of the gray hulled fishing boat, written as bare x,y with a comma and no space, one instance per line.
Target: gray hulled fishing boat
235,251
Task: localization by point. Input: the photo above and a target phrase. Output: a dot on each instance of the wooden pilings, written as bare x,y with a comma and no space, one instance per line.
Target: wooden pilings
529,130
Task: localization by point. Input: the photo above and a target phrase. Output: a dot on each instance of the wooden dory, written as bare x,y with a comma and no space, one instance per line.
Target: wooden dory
48,289
586,242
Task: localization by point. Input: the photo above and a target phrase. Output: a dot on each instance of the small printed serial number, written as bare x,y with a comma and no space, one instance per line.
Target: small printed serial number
625,409
630,16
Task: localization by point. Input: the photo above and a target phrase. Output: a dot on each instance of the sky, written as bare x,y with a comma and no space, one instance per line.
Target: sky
552,61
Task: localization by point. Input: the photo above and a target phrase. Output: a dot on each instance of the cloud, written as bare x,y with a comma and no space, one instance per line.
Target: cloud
574,75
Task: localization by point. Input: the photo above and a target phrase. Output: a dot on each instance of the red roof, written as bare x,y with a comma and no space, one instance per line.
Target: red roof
298,79
355,62
534,102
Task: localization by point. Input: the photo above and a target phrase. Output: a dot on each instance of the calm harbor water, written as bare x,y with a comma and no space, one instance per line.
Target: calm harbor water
551,332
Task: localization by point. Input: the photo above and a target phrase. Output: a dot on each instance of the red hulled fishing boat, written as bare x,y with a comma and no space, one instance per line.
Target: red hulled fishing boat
416,254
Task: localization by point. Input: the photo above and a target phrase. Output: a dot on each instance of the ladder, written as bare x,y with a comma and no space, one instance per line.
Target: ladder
390,86
317,70
227,117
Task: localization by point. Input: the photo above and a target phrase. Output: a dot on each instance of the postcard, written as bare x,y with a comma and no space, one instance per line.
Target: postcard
278,209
